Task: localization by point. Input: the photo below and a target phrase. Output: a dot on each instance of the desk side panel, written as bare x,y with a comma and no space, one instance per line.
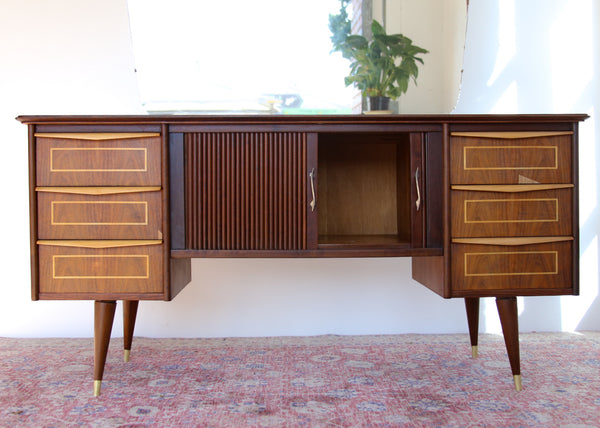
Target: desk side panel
575,214
429,271
33,224
180,275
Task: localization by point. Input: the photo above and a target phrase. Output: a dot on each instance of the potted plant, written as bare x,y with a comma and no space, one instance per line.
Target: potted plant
380,68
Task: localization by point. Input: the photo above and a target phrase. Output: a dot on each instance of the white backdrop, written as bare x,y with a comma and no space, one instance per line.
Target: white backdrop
74,57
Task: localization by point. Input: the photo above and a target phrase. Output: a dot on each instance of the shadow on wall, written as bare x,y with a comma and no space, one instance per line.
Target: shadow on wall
540,57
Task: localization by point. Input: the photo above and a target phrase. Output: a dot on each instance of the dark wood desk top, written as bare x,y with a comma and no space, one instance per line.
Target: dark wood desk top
302,119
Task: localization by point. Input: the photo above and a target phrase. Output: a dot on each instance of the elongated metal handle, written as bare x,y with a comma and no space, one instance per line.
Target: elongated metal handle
418,202
312,188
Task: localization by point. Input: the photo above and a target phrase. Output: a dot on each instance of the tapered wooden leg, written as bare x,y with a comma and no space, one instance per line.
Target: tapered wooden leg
509,318
130,308
104,314
472,306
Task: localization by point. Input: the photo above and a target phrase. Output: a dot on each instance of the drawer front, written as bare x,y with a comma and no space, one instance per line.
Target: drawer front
98,160
511,158
520,269
100,271
99,216
502,214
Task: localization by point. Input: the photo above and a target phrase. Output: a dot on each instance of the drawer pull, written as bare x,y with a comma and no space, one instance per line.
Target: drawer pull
98,136
418,202
511,241
100,244
511,188
511,135
97,190
312,188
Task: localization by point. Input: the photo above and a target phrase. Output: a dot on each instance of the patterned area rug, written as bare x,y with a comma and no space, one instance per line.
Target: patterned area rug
325,381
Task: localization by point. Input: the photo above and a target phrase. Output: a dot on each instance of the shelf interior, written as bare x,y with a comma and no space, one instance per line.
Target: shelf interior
364,189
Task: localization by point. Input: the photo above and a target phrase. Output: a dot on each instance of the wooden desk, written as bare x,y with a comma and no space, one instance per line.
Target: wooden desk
485,205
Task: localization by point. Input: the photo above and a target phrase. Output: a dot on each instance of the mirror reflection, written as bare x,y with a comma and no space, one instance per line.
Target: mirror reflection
275,56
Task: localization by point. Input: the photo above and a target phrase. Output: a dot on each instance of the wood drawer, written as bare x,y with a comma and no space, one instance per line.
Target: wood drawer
510,157
89,269
530,210
98,159
99,213
495,269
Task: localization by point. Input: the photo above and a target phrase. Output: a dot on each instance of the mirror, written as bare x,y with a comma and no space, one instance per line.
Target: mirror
274,56
439,26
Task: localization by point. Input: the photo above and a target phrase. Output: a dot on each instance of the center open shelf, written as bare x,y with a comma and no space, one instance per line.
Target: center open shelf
364,189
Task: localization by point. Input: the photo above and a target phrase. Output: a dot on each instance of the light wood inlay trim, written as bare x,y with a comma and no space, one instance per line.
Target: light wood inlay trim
553,255
145,258
141,205
101,243
511,188
512,241
97,191
142,150
552,201
511,135
98,136
499,168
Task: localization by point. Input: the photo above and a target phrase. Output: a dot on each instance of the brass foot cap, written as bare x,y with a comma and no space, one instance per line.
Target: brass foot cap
518,385
474,351
126,354
97,387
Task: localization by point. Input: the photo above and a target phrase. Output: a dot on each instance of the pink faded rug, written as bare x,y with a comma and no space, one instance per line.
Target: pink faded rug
325,381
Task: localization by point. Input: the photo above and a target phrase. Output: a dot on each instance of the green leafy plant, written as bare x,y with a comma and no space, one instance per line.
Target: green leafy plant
340,26
381,67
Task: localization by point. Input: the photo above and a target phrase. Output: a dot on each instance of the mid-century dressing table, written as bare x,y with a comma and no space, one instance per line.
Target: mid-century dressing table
486,205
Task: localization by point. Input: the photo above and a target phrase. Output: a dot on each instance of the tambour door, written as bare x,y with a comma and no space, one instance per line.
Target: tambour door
247,190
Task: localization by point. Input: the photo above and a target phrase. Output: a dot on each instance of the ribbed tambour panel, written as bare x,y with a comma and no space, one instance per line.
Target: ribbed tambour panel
245,191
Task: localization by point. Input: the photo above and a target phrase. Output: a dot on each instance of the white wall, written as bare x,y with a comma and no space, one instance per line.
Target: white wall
74,57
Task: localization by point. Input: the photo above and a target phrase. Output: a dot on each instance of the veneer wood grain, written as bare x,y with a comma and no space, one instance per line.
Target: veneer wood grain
485,205
102,215
87,270
522,270
498,214
545,160
113,162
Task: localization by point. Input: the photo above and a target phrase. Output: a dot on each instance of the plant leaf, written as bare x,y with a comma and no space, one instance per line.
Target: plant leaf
377,28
